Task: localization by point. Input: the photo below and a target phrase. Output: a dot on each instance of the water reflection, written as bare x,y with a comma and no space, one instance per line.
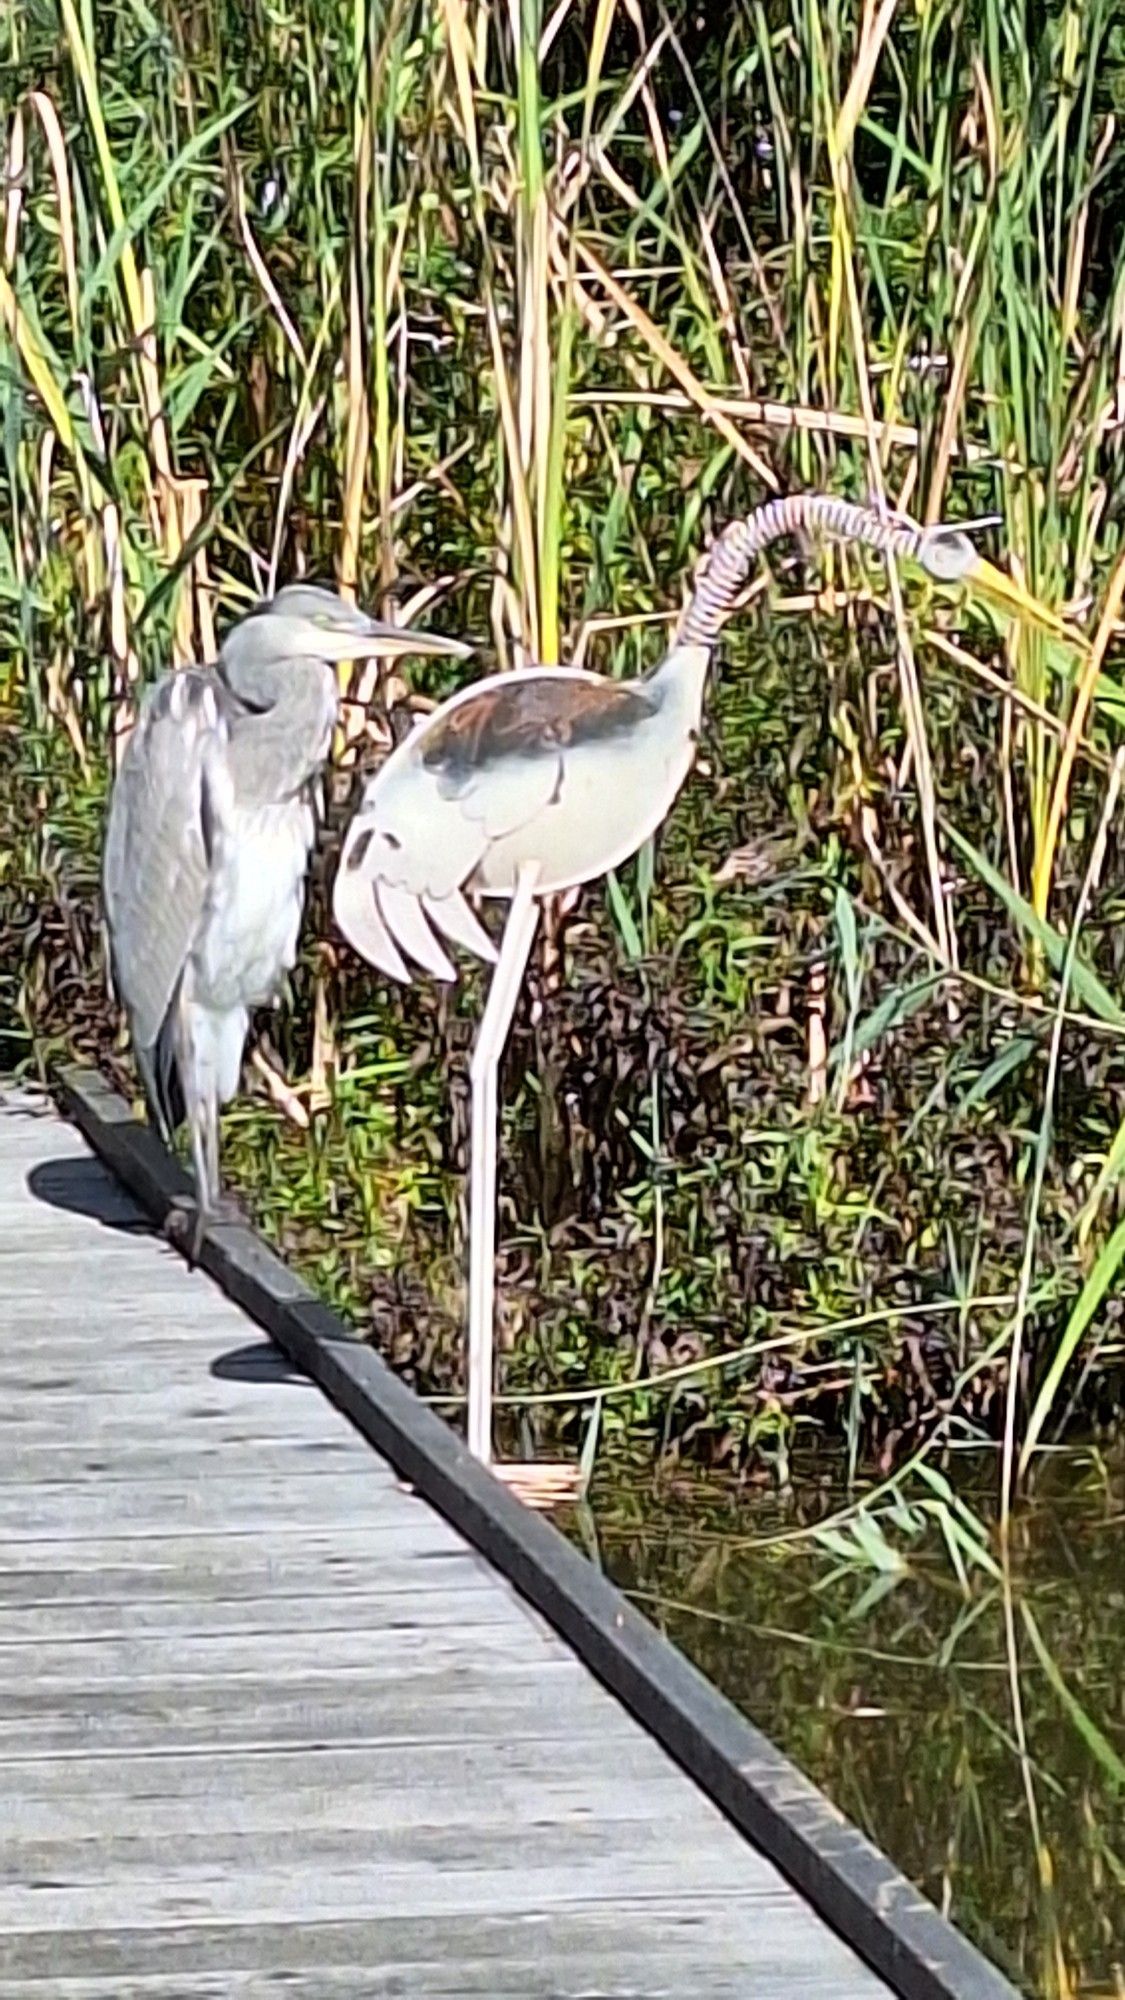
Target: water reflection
978,1738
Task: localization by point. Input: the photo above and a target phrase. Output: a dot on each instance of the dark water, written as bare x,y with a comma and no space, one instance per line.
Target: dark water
906,1697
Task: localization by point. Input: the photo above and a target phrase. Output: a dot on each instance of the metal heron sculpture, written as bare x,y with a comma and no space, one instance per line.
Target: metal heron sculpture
211,822
531,782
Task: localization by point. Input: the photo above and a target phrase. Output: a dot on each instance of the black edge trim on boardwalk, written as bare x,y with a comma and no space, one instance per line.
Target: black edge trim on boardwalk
843,1876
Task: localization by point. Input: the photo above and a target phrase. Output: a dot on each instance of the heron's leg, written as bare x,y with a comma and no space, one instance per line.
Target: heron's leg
214,1183
197,1063
519,931
197,1110
193,1088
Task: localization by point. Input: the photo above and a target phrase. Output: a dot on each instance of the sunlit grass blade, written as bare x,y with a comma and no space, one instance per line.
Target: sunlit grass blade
1085,983
1111,1170
56,147
1003,1063
1083,1312
36,363
132,223
1084,694
1097,1743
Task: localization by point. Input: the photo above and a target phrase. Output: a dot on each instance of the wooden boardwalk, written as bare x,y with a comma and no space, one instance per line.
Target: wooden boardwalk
268,1725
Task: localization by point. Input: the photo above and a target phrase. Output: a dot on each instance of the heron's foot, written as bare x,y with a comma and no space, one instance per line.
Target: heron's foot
226,1208
185,1226
188,1221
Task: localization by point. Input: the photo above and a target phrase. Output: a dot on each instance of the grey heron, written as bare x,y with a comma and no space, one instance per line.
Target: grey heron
211,822
531,782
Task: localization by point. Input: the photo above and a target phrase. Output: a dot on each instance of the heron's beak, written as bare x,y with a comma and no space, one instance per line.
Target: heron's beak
393,642
1009,596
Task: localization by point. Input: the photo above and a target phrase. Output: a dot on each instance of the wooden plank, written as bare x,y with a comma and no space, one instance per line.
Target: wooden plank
54,1373
447,1706
135,1307
415,1647
145,1585
142,1509
641,1949
148,1270
156,1322
275,1406
44,1223
324,1863
608,1978
184,1328
369,1788
209,1457
438,1885
242,1387
372,1604
224,1562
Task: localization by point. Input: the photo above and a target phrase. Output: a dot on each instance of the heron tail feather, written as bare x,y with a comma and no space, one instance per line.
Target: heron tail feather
160,1081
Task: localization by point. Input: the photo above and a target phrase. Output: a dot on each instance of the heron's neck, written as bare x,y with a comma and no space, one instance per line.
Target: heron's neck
282,745
680,682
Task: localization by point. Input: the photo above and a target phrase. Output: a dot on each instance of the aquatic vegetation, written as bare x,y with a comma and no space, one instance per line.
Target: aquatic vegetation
821,1130
974,1728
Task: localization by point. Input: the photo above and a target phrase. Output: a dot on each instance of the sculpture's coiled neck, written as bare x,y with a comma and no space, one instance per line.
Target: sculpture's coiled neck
945,553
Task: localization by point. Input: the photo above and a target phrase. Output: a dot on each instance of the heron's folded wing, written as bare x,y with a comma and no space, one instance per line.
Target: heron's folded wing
159,837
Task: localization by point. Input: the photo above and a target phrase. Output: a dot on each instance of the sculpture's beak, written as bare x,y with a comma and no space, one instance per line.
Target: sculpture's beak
1009,596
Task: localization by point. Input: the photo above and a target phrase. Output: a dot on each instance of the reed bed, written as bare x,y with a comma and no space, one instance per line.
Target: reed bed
491,313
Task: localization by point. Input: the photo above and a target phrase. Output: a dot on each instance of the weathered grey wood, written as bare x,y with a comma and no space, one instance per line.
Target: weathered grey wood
295,1654
134,1334
219,1557
266,1722
332,1891
226,1505
82,1463
461,1598
168,1411
324,1868
640,1949
389,1785
299,1570
441,1706
103,1377
79,1287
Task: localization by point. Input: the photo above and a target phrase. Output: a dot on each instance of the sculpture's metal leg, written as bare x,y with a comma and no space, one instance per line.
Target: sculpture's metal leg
519,932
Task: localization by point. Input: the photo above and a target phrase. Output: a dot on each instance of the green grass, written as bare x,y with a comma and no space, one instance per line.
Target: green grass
378,292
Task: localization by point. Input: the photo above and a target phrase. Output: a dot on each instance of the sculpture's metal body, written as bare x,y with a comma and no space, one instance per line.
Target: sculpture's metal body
532,782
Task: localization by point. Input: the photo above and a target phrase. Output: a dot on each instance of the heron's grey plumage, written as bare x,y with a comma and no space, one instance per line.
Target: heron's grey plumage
211,823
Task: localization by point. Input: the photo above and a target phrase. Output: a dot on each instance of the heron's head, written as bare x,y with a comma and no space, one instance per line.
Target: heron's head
306,623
